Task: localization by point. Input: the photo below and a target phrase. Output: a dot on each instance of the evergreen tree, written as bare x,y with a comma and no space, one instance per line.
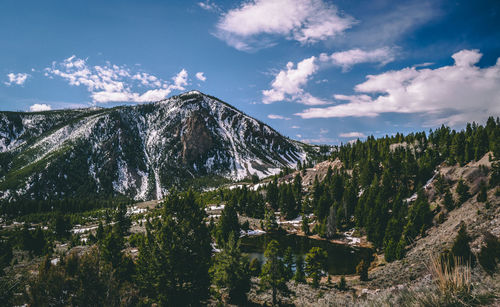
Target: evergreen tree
231,271
273,272
174,258
288,261
61,225
482,196
270,223
299,275
122,219
362,270
331,223
227,224
462,191
305,225
111,247
316,263
461,248
449,203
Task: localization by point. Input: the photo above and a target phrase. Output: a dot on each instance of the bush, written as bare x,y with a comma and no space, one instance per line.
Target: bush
490,253
342,285
362,270
461,248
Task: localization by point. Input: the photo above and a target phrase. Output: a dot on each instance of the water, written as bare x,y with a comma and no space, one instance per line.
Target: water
342,259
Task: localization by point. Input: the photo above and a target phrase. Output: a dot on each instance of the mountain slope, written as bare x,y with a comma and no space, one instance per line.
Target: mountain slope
139,151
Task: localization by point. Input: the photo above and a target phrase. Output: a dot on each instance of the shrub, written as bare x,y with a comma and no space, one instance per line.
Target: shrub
362,270
490,253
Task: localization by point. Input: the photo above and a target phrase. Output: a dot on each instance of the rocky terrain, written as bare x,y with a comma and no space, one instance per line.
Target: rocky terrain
138,151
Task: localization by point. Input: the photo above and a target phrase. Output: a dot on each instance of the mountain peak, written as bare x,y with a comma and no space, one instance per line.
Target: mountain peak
141,151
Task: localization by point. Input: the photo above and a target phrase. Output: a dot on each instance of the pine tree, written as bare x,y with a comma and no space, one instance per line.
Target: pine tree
482,196
462,191
362,270
227,224
299,275
461,248
288,261
122,219
175,256
331,223
273,272
231,271
316,263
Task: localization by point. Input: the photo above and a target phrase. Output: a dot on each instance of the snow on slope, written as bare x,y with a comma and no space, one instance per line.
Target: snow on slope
144,149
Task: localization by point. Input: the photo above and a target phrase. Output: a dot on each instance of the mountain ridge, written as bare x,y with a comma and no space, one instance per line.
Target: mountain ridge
140,151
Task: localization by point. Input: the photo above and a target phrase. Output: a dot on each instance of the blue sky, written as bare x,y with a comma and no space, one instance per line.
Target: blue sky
316,70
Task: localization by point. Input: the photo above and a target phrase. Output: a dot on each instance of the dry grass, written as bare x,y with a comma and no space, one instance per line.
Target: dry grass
452,280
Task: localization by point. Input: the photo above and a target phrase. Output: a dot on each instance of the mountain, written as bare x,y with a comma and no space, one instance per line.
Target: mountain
138,151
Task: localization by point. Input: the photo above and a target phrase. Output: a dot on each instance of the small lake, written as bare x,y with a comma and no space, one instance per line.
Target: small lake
342,259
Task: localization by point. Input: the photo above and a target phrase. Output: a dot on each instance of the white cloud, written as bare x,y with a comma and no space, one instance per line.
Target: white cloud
201,76
352,135
16,79
39,107
295,127
113,83
287,84
257,22
346,59
452,94
274,116
209,6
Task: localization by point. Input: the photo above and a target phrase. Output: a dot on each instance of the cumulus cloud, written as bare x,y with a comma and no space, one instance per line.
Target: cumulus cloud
201,76
287,84
256,23
453,94
39,107
16,79
274,116
346,59
114,83
352,135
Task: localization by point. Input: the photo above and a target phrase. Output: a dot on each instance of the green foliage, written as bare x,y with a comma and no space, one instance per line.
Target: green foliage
62,225
462,191
270,223
122,220
174,258
362,270
489,255
461,248
289,262
305,225
342,285
230,271
316,263
449,203
111,247
482,196
79,281
273,272
228,224
5,255
255,267
299,275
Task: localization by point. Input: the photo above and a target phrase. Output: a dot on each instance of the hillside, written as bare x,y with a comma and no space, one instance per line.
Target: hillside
137,151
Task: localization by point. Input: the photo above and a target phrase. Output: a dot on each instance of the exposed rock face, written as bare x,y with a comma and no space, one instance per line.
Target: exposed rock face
196,139
139,151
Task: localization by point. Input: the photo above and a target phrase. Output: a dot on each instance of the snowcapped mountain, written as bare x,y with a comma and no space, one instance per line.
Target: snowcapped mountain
139,151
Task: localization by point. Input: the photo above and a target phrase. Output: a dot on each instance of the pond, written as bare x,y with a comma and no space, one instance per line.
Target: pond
342,259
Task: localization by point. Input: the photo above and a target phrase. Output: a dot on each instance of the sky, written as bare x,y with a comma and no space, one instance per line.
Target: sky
319,71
